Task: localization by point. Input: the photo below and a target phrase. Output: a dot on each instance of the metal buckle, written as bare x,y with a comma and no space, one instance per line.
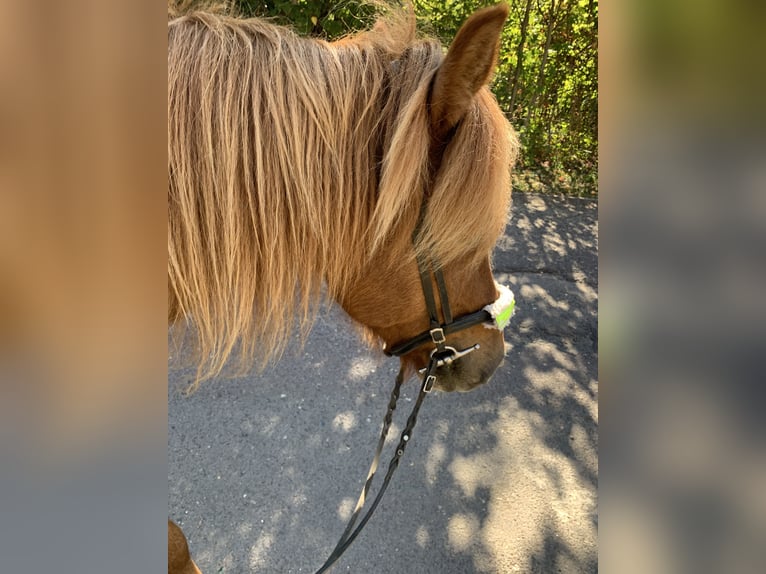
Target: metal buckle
437,335
428,384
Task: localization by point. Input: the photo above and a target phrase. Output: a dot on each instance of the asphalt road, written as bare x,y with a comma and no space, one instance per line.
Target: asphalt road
264,469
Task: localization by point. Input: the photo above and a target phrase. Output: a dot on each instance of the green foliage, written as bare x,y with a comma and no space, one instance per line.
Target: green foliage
547,78
321,18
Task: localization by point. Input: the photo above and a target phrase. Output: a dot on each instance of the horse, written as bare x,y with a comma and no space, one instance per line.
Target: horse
301,170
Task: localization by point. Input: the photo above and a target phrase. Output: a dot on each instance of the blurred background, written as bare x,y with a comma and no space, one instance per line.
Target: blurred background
681,183
83,343
683,221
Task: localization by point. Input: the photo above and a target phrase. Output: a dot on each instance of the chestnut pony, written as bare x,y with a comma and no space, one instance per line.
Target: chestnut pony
297,170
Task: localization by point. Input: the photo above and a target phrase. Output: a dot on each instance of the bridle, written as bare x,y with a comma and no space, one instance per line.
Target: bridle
443,354
437,331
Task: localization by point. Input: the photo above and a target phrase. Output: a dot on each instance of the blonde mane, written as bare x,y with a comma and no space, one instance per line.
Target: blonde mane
292,162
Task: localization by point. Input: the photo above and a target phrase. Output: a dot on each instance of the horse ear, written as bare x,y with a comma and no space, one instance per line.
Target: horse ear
467,67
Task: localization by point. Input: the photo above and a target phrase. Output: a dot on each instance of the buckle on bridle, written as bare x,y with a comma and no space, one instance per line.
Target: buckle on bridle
437,335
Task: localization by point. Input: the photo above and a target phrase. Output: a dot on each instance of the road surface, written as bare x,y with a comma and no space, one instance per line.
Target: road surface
264,469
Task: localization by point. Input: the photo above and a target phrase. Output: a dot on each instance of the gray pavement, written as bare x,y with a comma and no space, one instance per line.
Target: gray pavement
264,469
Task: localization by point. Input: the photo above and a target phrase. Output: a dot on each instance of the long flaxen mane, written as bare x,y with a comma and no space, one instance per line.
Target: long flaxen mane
293,161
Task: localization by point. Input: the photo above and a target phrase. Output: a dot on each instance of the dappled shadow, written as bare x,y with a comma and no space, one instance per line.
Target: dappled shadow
265,469
551,234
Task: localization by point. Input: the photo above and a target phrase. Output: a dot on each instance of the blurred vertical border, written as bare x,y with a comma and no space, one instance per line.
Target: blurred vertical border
83,334
683,312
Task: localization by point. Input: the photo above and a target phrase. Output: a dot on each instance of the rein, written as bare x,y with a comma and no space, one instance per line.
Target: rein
491,316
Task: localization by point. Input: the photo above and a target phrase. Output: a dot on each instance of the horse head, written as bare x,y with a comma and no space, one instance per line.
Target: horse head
298,167
470,149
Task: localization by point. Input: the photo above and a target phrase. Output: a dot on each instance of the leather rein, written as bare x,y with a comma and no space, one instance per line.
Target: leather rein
442,355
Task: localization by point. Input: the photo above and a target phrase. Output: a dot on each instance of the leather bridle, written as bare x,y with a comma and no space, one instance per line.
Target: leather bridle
442,354
437,331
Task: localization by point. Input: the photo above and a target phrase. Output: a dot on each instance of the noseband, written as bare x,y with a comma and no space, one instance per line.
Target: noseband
495,315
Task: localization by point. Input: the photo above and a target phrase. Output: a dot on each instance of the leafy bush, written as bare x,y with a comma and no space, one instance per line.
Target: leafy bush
547,78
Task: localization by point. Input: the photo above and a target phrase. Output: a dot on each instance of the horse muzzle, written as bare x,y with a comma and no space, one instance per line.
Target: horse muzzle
472,357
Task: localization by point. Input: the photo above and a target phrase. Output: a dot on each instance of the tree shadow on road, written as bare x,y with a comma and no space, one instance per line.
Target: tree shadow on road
265,469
